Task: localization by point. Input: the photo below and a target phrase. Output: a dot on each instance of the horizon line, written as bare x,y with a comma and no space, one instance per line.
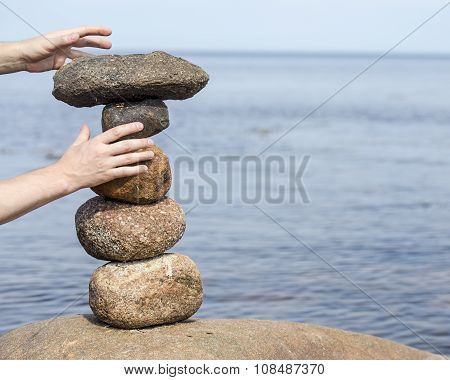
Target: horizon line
286,53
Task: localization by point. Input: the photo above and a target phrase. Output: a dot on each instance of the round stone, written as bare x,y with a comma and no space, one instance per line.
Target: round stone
152,113
118,231
144,293
144,188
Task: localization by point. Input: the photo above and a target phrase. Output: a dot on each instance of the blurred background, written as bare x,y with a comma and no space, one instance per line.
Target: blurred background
377,179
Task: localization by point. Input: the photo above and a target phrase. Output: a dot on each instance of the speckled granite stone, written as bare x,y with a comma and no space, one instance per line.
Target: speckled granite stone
104,79
152,113
147,187
117,231
144,293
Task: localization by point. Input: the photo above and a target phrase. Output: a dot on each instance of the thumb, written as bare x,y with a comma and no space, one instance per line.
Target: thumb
83,136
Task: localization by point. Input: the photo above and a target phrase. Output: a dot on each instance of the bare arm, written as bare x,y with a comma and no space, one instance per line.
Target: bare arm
10,61
87,163
29,191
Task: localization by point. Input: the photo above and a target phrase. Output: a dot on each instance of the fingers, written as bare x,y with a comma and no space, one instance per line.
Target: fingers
118,132
71,37
100,43
131,158
84,31
83,136
127,146
126,171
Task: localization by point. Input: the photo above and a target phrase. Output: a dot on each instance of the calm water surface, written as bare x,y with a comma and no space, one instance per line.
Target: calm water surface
378,181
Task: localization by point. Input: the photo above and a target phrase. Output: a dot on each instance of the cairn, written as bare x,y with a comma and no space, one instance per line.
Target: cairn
132,223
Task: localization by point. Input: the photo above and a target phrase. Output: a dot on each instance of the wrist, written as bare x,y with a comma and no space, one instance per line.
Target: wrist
11,58
63,180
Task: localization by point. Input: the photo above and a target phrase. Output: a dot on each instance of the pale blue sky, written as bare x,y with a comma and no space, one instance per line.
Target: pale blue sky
246,25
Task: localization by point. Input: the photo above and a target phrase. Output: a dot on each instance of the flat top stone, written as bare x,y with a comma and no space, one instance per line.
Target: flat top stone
104,79
84,337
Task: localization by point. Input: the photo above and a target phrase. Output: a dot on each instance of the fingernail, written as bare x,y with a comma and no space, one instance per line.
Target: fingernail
151,154
150,142
139,126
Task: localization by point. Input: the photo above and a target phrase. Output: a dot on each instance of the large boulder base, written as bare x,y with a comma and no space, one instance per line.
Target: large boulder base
104,79
143,293
116,231
144,188
152,113
84,337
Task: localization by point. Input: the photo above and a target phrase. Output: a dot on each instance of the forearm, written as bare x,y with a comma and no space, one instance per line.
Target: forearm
10,58
29,191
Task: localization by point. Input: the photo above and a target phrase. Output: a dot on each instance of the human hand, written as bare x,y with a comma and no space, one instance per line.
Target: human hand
91,162
50,51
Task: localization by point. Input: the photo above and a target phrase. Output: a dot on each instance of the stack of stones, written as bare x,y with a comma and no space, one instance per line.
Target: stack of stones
132,223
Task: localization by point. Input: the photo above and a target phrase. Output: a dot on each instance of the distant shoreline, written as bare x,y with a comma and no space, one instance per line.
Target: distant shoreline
290,54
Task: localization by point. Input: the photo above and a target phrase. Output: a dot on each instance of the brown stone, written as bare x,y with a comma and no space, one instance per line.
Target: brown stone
117,231
104,79
164,289
152,113
84,337
144,188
